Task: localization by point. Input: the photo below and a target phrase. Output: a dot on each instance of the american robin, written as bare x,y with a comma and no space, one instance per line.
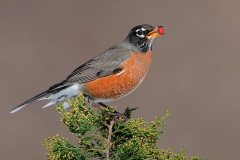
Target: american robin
111,75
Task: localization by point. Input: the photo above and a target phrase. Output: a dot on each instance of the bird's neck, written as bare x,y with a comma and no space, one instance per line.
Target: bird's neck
144,47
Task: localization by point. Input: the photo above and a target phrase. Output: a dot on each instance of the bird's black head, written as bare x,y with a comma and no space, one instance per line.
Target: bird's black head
141,37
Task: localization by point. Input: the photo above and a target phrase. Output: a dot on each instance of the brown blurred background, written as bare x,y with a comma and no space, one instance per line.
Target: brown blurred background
195,71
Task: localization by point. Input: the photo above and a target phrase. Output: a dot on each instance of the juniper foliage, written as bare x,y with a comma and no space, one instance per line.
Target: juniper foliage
101,136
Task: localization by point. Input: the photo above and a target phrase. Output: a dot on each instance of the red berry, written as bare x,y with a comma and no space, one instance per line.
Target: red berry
160,30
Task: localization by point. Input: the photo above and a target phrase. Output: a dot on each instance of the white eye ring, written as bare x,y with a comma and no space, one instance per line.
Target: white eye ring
140,31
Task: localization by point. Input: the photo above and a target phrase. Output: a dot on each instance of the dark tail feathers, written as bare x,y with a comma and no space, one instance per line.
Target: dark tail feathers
43,94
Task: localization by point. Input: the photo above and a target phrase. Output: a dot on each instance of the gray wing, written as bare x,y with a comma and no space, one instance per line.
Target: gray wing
105,64
109,62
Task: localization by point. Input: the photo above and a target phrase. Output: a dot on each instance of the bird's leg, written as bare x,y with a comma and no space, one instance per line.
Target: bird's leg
127,113
97,106
125,116
116,115
103,105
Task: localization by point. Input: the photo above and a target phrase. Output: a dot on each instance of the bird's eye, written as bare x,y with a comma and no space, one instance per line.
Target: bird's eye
140,33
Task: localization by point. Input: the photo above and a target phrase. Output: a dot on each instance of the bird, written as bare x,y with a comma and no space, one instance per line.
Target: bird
111,75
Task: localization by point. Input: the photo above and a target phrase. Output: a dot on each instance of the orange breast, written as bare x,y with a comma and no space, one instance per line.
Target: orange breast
118,85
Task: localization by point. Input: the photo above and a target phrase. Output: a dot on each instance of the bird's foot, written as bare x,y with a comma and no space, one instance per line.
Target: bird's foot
116,115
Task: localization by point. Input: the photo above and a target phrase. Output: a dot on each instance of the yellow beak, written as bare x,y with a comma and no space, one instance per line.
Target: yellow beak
155,32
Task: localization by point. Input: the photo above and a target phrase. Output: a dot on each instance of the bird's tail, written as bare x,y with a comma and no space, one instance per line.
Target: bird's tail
37,97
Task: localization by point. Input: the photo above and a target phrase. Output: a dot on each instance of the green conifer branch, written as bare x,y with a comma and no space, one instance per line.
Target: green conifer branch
102,136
